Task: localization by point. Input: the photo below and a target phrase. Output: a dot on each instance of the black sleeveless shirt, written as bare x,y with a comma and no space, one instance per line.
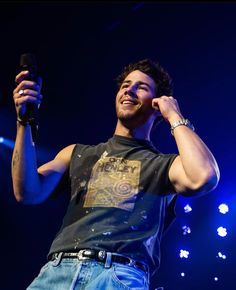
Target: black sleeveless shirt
119,196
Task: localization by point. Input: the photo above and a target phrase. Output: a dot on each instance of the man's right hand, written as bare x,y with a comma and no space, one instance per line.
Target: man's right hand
26,92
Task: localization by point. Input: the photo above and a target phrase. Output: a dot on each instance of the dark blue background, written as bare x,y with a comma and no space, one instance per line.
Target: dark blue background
81,47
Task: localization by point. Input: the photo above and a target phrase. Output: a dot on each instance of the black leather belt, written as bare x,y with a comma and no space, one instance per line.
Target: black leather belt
101,256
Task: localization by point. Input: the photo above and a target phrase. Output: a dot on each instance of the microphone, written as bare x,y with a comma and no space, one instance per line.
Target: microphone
28,62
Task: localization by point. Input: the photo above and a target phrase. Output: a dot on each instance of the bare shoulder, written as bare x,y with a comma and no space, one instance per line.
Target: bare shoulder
65,153
60,163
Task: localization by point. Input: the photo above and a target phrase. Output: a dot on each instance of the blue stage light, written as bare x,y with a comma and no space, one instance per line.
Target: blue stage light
221,256
7,142
184,254
182,274
186,230
223,208
222,232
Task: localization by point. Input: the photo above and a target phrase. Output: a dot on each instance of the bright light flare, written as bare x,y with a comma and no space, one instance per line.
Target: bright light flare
184,254
186,230
221,256
223,208
222,232
7,142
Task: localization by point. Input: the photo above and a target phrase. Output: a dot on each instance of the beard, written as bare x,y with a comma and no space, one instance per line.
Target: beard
133,118
126,116
129,114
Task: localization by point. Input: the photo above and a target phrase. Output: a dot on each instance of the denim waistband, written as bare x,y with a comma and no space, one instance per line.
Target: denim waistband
101,256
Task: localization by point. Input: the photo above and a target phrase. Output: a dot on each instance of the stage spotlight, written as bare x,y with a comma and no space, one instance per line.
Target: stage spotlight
184,254
187,208
7,142
221,256
222,232
223,208
182,274
216,279
186,230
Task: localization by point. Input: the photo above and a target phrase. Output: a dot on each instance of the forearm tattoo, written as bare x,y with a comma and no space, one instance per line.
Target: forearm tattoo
15,159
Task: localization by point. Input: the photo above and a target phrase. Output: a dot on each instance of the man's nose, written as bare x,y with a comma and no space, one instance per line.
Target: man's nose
131,92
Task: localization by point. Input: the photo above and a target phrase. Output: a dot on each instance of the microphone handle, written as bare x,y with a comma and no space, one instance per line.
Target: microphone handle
28,62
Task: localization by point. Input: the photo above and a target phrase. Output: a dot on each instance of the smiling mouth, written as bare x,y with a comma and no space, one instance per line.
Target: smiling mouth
129,102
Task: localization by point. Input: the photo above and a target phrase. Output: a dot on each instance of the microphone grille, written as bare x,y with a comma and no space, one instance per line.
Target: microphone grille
27,60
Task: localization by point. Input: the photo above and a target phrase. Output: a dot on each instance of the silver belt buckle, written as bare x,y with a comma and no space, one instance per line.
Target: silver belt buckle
81,255
101,255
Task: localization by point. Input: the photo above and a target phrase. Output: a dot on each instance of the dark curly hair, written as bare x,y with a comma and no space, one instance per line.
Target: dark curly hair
153,69
164,84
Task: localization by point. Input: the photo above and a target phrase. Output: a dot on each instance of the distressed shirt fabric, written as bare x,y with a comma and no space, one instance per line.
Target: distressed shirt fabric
120,192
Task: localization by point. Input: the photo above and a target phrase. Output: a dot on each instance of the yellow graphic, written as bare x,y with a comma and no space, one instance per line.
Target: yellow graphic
114,182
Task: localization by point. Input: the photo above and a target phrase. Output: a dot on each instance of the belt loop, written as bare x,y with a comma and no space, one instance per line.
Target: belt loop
108,260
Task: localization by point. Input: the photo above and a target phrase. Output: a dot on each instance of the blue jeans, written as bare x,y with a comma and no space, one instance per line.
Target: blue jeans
72,274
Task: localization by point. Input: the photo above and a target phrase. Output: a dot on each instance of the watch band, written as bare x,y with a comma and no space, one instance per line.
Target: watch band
180,122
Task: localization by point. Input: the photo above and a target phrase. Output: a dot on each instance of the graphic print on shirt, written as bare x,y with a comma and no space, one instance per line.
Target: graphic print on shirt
114,182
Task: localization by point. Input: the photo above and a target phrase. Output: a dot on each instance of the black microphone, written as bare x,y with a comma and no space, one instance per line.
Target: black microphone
28,62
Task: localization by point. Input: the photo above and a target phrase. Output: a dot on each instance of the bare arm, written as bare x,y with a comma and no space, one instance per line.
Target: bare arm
195,170
33,185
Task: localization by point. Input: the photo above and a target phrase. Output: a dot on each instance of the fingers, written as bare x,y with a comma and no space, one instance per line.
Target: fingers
156,102
24,85
167,98
27,91
19,78
168,107
29,96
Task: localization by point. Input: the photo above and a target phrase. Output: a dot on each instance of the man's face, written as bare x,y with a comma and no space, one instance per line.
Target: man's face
134,98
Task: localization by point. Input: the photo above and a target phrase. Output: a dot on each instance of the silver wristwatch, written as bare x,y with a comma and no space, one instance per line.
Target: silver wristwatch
184,122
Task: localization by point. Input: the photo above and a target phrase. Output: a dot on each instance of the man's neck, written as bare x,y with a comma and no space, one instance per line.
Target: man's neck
142,132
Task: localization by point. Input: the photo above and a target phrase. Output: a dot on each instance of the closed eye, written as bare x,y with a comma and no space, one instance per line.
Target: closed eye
143,88
124,86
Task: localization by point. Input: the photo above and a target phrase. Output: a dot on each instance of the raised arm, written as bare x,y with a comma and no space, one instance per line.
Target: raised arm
33,185
195,170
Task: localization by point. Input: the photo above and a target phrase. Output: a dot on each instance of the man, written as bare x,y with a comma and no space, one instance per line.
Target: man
120,189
